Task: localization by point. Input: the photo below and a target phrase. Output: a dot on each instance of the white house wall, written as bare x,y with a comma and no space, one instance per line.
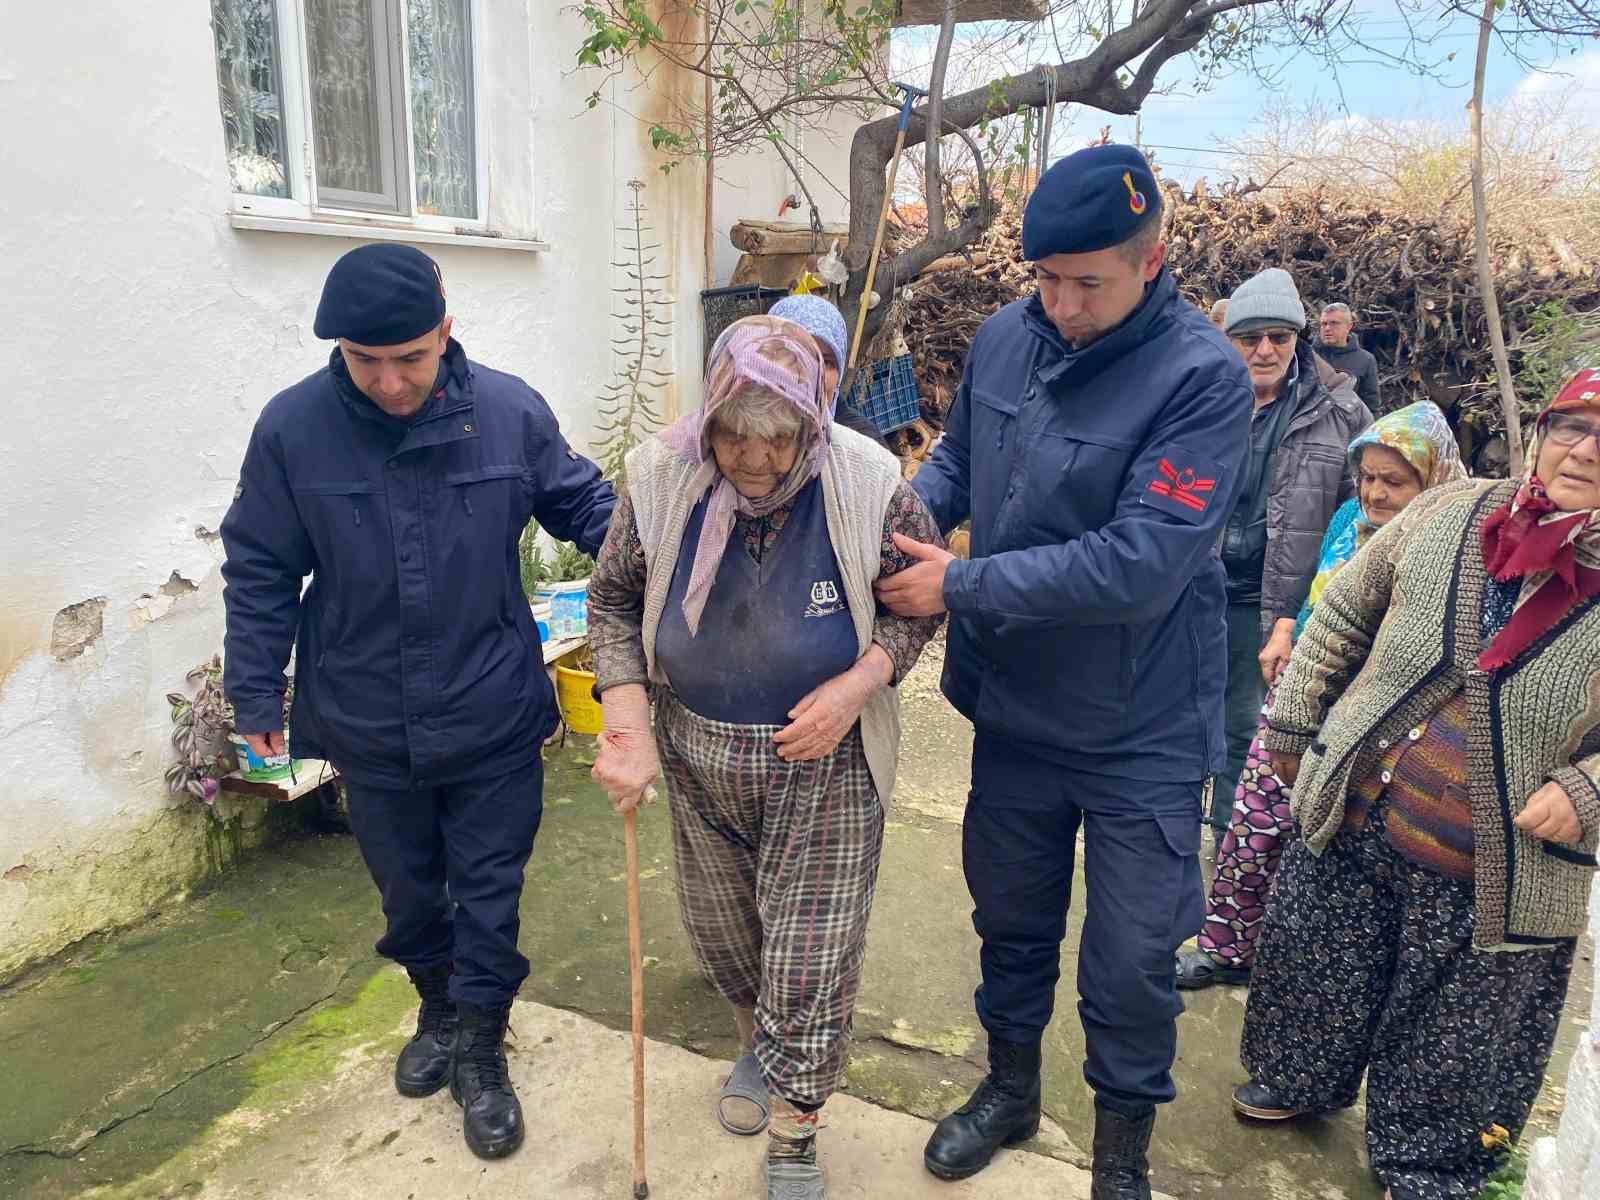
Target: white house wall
142,336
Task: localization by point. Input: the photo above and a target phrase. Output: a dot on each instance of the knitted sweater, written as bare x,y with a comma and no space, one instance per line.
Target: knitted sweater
859,479
1394,635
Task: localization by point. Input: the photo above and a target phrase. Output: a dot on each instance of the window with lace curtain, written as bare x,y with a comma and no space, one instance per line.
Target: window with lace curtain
364,106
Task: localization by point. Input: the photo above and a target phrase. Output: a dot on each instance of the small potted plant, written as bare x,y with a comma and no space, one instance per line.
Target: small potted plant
206,745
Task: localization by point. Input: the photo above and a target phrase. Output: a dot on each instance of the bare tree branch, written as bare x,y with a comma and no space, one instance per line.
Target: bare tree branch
930,162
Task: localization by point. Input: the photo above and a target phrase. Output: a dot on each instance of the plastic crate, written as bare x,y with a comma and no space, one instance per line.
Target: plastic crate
721,307
887,394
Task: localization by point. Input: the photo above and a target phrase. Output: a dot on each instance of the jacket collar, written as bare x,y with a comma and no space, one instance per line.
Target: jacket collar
446,417
1151,316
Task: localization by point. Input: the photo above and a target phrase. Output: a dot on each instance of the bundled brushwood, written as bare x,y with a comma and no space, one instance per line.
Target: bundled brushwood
1409,277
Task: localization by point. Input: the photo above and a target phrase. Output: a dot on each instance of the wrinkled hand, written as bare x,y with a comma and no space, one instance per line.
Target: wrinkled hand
266,745
1550,816
819,722
1285,766
626,767
1274,656
917,591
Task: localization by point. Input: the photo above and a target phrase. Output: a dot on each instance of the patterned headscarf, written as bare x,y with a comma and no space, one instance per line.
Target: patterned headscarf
1420,434
821,320
749,357
1554,552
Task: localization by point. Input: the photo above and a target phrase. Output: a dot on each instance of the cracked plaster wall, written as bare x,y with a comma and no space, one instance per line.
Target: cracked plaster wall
1568,1165
149,334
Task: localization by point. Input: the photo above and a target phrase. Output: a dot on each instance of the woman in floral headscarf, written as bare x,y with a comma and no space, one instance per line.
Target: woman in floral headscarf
736,584
1439,723
1394,461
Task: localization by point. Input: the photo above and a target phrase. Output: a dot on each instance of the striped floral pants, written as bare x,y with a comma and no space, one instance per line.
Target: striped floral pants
1247,859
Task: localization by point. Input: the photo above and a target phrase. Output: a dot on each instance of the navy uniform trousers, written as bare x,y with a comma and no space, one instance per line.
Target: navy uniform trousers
448,863
1141,844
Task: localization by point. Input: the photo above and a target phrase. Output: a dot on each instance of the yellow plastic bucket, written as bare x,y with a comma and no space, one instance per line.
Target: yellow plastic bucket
575,696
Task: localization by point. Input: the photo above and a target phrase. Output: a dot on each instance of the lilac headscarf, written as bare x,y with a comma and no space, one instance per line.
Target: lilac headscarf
821,320
749,356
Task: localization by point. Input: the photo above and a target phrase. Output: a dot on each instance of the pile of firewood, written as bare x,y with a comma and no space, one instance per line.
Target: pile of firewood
1411,280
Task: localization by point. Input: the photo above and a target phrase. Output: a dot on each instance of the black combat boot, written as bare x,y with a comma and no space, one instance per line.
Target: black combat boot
492,1117
1121,1149
1002,1112
424,1064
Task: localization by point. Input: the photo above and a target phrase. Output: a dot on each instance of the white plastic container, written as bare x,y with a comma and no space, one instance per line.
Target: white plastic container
569,608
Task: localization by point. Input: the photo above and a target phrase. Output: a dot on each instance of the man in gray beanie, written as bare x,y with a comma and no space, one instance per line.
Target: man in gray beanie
1306,414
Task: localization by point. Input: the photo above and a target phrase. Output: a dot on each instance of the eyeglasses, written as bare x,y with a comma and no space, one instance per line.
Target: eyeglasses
1249,341
1564,429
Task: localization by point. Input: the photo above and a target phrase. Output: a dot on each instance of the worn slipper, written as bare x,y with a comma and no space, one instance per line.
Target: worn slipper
743,1107
1197,969
793,1179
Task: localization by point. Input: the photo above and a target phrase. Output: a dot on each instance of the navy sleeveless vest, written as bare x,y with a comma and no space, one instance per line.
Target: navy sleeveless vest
771,631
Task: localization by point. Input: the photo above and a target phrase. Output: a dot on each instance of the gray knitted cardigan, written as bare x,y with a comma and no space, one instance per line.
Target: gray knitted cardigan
1397,633
859,479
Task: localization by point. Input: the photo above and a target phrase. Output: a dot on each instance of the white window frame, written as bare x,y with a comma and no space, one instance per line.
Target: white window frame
304,203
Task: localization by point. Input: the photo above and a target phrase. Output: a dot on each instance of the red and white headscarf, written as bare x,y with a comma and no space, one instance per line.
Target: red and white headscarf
1554,552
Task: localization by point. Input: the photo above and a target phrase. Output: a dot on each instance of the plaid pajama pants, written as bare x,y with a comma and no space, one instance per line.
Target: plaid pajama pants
777,864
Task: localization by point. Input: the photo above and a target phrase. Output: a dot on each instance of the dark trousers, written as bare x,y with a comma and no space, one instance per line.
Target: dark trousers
1142,875
448,863
1241,704
1367,965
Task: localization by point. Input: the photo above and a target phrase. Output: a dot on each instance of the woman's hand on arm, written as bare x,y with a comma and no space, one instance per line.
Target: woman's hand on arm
1274,656
626,766
820,721
1285,766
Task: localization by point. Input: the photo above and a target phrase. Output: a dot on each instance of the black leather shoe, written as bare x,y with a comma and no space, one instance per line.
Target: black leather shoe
1197,969
424,1063
492,1116
1256,1101
1004,1111
1121,1155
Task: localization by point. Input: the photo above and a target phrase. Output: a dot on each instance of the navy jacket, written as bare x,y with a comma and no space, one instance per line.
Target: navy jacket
417,659
1088,622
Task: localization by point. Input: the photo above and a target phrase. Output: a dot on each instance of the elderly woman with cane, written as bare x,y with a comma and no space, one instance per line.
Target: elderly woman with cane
736,586
1439,724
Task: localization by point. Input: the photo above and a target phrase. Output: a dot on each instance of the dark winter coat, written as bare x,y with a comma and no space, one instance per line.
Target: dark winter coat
1310,478
417,659
1356,363
1088,622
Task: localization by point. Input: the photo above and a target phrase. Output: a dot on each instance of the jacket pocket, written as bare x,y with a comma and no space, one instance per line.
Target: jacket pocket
1074,481
335,512
993,417
472,489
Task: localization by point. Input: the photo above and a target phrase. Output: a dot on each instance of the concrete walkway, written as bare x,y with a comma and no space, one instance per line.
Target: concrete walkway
575,1077
238,1044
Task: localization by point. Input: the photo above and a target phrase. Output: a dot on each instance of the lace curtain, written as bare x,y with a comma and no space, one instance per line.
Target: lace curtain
251,90
346,104
440,44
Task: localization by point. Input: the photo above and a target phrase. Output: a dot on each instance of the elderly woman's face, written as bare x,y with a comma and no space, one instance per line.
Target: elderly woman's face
1569,460
1387,483
830,368
756,455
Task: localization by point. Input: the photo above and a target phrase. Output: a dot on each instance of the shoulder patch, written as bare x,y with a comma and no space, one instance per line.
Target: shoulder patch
1183,484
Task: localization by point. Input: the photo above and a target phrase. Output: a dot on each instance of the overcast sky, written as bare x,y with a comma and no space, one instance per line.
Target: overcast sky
1185,127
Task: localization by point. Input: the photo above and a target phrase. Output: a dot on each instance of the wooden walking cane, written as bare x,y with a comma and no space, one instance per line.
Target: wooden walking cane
630,841
911,94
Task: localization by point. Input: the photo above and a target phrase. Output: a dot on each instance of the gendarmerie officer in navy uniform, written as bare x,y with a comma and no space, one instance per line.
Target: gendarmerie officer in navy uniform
399,478
1096,444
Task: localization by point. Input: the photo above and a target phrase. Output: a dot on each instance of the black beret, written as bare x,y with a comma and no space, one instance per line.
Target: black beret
381,295
1089,201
